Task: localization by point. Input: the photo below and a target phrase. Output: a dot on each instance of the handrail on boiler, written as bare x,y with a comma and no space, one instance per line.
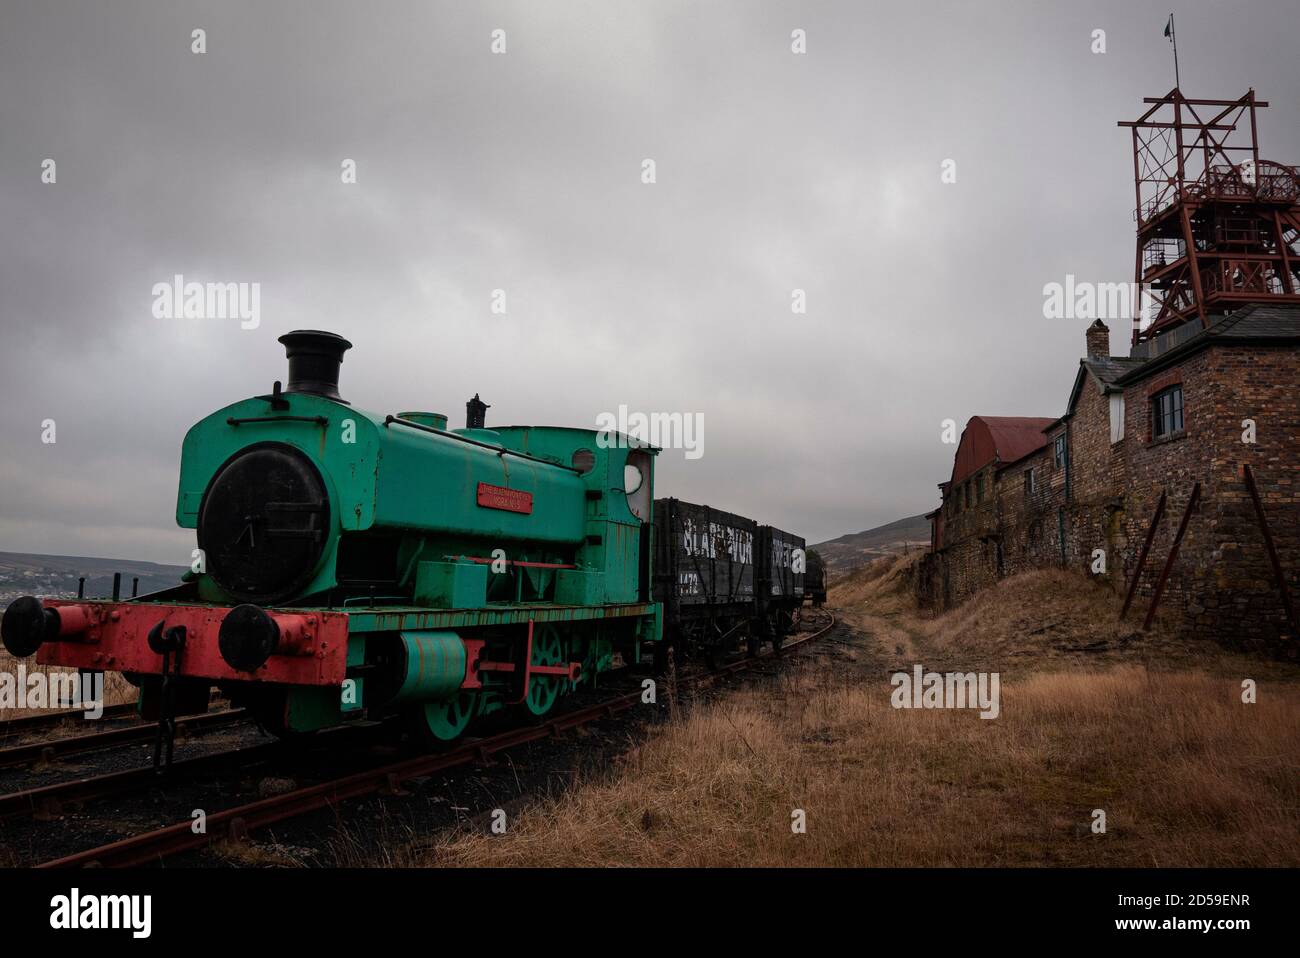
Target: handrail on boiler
499,450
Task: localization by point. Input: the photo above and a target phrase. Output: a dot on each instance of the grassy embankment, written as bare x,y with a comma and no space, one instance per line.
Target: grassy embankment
1150,729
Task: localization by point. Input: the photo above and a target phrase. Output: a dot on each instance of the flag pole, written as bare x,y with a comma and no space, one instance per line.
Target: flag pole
1173,36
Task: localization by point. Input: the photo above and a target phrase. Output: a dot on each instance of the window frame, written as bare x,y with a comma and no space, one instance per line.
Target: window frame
1060,451
1175,415
640,499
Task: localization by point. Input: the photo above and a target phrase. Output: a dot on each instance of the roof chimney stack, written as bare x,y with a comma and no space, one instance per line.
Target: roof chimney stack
1098,339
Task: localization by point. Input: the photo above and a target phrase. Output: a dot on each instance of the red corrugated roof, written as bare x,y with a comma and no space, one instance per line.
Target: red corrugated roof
1004,438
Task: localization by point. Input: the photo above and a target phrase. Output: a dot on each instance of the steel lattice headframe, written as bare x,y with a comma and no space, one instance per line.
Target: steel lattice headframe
1217,227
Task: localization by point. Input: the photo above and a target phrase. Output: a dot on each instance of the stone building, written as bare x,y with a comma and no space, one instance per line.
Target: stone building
1192,406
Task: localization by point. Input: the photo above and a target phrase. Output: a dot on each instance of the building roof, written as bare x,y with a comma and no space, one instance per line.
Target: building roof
997,439
1106,372
1108,369
1257,324
1259,321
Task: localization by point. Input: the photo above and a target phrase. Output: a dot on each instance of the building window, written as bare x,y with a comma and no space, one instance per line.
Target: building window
1116,417
1029,483
1167,412
966,493
979,488
1058,451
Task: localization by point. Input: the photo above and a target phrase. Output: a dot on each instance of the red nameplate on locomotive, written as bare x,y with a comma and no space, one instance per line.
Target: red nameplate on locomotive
499,497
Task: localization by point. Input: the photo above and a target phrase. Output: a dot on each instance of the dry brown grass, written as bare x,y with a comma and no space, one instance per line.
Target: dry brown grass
1149,728
1047,619
1186,773
117,691
885,584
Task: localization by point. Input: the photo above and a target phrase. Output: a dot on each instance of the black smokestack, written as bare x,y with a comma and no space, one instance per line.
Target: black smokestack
314,360
476,413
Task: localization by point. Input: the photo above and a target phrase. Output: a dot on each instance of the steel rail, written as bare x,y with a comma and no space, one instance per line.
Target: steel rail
153,846
54,748
50,799
33,723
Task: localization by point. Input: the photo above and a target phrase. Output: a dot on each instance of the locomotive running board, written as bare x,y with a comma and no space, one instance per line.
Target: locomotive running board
399,618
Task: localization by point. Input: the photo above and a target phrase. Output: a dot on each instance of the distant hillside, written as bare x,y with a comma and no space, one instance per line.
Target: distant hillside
859,548
23,573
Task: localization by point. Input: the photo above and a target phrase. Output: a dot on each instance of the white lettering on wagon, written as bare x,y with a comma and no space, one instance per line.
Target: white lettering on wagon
715,539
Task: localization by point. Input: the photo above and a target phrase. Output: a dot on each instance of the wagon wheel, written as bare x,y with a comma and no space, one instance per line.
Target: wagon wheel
543,690
713,656
711,646
661,657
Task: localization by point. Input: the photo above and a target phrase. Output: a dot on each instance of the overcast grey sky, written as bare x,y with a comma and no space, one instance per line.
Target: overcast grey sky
522,172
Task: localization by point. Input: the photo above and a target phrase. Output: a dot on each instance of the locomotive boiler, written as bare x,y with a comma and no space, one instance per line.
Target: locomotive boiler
354,564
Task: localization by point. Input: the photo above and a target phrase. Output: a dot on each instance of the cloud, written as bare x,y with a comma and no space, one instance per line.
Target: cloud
521,172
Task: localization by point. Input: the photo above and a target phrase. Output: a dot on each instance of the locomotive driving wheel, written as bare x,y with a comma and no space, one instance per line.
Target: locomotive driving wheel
543,690
445,720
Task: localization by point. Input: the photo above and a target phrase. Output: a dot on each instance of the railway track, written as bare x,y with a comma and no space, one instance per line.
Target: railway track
237,822
49,800
36,723
50,749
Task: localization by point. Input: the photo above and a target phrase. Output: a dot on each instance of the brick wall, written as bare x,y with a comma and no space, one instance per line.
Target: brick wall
971,548
1222,582
1027,518
1095,505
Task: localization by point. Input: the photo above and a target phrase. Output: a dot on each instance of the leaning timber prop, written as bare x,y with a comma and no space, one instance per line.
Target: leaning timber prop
1173,554
1142,556
1278,577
